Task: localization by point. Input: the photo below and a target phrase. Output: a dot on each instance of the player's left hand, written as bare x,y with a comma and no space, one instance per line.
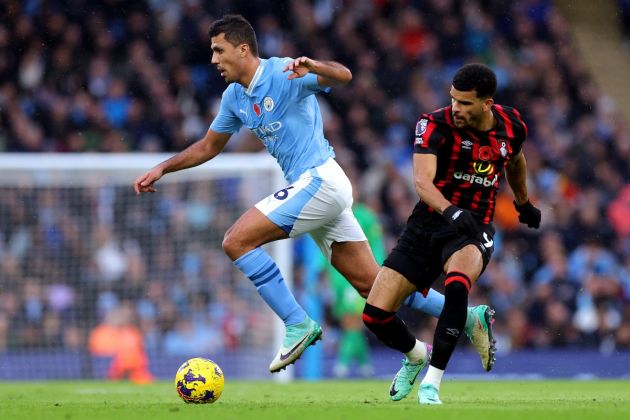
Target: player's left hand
528,214
299,67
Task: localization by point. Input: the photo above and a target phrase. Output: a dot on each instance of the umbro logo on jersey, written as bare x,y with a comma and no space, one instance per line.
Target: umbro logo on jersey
467,144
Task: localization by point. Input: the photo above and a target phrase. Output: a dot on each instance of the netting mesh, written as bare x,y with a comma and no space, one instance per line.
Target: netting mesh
98,282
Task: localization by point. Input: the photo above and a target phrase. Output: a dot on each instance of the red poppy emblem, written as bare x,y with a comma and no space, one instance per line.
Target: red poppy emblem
485,153
257,110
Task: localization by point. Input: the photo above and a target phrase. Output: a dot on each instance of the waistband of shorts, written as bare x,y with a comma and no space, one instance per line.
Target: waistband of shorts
329,165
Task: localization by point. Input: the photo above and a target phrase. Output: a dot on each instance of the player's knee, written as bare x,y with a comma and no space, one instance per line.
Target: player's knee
231,245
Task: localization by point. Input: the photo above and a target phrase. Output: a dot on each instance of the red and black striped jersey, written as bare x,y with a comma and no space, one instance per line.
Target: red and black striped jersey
470,163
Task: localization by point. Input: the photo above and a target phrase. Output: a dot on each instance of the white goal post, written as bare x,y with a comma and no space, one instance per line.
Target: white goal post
61,264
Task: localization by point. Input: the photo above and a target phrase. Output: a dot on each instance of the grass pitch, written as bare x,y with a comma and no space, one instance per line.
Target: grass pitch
492,400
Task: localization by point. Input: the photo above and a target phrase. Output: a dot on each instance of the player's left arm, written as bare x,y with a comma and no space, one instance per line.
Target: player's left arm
329,73
516,175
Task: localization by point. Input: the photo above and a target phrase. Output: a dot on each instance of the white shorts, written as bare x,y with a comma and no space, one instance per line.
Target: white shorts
319,203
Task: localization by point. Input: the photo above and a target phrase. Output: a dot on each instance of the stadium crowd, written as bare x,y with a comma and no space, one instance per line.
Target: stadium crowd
124,76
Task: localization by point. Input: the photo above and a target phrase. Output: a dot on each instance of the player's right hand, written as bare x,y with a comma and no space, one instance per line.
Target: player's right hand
144,183
463,220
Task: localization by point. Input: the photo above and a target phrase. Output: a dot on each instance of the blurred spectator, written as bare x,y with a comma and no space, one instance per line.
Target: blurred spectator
118,337
624,8
189,338
619,212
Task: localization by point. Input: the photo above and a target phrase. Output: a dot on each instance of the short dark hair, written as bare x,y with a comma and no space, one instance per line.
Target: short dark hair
477,77
237,31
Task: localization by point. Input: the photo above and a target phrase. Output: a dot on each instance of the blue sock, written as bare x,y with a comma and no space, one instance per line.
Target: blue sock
432,304
258,266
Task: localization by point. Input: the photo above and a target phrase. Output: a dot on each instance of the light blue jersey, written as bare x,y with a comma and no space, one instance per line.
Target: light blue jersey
283,114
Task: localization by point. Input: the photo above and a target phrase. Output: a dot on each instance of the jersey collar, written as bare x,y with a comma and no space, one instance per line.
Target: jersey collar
254,82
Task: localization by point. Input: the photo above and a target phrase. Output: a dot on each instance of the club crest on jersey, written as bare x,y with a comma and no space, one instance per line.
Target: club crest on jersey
268,103
257,110
485,153
503,149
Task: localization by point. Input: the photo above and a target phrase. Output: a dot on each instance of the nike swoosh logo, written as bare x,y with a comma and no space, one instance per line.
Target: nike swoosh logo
393,391
283,357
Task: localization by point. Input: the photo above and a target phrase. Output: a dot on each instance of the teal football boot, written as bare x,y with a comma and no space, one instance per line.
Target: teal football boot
296,339
479,331
405,378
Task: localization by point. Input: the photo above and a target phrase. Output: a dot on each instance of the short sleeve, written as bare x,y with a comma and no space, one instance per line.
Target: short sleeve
427,137
517,143
227,121
519,128
306,85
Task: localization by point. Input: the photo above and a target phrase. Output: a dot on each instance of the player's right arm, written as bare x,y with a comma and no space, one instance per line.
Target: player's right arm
428,140
224,124
424,169
197,153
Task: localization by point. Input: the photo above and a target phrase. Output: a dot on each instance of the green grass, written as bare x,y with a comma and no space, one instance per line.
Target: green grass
492,400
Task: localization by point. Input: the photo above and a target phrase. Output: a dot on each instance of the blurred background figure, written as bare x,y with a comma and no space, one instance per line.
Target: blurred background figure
347,304
118,338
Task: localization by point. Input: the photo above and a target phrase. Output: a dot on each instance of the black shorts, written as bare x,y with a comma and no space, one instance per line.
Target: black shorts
427,243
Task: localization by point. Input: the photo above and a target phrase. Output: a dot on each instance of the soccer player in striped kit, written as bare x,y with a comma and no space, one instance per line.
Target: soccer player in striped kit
460,152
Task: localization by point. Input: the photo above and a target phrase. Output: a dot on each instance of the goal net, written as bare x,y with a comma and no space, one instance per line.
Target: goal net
97,282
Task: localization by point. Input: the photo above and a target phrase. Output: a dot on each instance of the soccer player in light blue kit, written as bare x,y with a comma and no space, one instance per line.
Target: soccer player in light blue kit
275,99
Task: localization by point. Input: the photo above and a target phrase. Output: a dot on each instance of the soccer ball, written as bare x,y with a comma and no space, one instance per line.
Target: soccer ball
199,381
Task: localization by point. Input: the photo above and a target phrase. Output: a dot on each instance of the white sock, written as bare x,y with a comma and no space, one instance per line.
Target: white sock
418,353
433,377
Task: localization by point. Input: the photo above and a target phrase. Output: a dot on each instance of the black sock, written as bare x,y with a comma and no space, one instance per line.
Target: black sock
452,319
388,328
